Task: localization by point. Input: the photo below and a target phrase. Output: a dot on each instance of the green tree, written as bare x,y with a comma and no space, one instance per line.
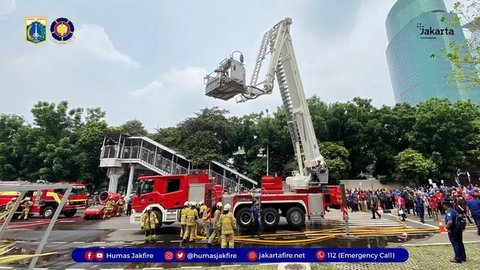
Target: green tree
134,128
465,55
447,133
413,168
336,158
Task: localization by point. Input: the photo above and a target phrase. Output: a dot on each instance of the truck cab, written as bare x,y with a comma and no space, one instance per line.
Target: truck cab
166,195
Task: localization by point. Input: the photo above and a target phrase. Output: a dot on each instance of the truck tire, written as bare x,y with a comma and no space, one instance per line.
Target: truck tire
70,213
270,218
159,217
244,219
295,217
48,211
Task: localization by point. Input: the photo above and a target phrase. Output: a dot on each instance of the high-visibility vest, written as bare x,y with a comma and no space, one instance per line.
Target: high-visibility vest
183,216
192,216
149,221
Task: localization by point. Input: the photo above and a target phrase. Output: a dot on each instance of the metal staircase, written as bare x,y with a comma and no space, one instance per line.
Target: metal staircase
145,153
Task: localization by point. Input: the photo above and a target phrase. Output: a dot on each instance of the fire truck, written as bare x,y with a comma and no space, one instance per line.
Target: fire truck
45,202
166,195
301,196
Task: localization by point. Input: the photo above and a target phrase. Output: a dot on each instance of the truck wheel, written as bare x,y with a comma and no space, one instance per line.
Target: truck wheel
295,217
244,219
270,218
159,217
48,212
70,213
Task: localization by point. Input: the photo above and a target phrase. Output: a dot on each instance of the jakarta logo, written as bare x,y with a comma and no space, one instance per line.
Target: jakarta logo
36,28
62,30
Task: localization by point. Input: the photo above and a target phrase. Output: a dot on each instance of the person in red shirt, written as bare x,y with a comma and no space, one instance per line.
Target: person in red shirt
401,207
440,201
434,206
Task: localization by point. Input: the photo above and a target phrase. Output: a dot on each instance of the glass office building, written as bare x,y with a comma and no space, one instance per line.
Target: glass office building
417,29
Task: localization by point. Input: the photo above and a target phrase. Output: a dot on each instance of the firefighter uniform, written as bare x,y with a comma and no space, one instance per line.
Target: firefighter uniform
204,221
8,208
216,225
228,226
26,204
192,217
108,207
120,204
183,219
148,223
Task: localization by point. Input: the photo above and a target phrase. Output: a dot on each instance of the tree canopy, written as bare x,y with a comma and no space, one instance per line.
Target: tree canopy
403,143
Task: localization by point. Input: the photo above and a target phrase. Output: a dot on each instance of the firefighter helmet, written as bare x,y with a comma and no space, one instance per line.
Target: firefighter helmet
14,199
148,208
27,199
200,203
185,204
111,197
219,204
193,204
227,207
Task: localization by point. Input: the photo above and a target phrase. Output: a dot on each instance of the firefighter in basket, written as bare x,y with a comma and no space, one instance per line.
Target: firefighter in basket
228,225
183,219
192,217
148,223
26,204
108,207
213,240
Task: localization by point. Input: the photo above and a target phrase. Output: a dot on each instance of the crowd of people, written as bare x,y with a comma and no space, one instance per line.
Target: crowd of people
457,204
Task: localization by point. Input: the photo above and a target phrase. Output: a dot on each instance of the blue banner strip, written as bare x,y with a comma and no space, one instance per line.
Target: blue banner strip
237,255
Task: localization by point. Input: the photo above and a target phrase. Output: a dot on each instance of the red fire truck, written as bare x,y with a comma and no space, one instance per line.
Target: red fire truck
166,195
45,202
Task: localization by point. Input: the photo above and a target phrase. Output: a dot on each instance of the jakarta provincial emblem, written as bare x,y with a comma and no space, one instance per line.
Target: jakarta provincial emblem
62,30
36,28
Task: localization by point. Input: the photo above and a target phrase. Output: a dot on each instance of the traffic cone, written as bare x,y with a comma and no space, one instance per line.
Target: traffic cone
441,228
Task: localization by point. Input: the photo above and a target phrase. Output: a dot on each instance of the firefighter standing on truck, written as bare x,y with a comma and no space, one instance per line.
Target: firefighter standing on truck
228,226
216,225
148,223
108,207
192,217
183,219
26,204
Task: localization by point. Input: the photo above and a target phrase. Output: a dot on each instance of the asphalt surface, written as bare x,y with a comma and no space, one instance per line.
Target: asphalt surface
71,233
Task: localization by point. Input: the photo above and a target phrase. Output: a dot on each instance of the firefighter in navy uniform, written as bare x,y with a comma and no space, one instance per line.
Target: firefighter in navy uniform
183,219
192,217
148,223
455,233
228,226
213,240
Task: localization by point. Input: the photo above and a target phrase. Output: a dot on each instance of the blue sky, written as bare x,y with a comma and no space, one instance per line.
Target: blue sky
146,59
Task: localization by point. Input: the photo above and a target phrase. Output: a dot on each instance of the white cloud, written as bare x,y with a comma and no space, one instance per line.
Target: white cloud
7,7
181,81
94,40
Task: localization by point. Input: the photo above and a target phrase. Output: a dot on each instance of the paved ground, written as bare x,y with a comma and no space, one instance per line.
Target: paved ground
118,232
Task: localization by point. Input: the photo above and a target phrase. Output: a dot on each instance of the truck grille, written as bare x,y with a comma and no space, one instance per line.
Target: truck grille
74,203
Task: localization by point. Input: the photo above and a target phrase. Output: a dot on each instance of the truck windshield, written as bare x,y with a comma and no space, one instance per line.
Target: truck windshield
79,190
146,186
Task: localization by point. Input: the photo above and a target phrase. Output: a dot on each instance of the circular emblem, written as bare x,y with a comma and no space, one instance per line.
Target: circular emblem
62,30
252,255
168,255
320,255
